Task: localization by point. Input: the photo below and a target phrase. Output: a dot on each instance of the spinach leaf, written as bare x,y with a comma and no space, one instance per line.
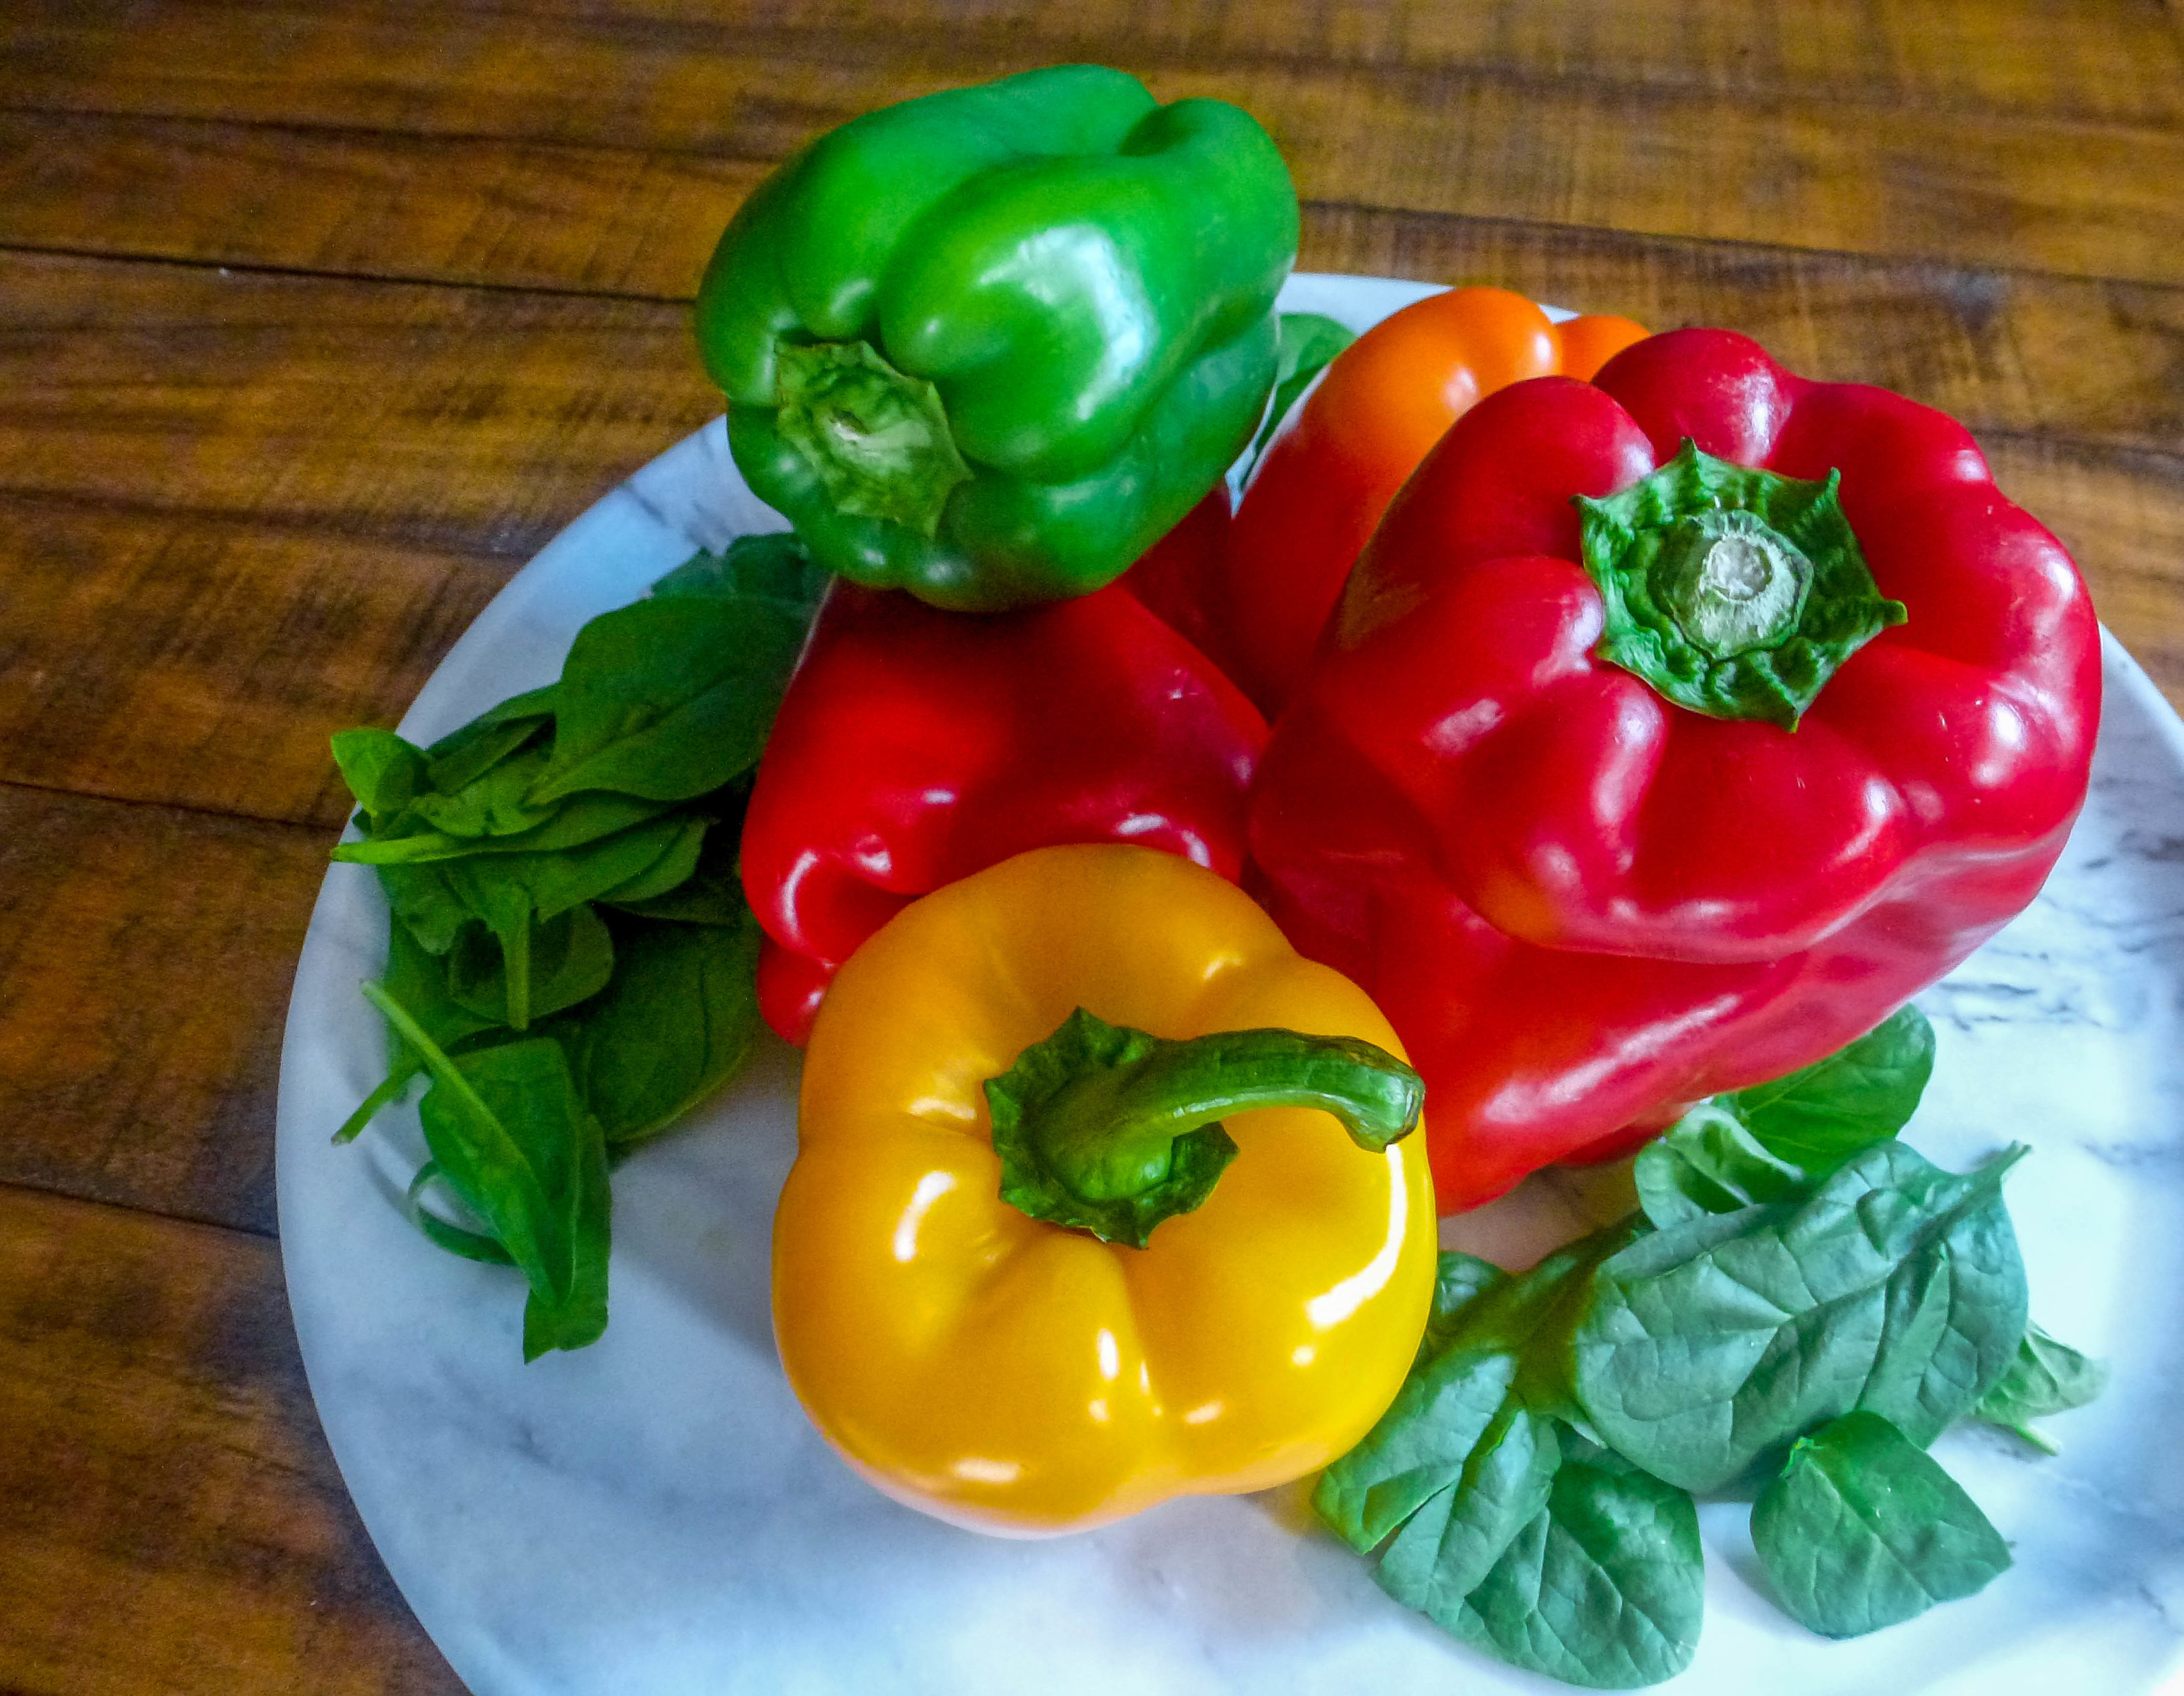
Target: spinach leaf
471,1245
491,804
425,904
515,892
1896,1287
679,1018
419,981
776,566
1708,1163
382,770
677,865
514,1141
1306,345
1819,1117
1605,1587
713,893
2046,1377
570,956
670,698
1862,1529
1463,1458
459,759
583,819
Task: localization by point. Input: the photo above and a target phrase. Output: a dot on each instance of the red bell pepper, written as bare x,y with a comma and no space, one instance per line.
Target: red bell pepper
1618,801
914,747
1385,400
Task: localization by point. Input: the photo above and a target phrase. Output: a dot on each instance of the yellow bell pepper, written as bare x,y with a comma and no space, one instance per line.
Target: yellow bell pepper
1023,1375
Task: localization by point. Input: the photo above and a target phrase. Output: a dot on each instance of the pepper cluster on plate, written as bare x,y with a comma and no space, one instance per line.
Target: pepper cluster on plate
1606,723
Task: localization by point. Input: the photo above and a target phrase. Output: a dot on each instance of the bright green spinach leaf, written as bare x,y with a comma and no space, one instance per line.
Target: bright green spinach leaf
471,1245
776,566
1818,1118
1862,1529
464,756
418,980
492,804
580,820
1306,345
2046,1377
1896,1287
383,771
670,698
1605,1587
1708,1163
515,1142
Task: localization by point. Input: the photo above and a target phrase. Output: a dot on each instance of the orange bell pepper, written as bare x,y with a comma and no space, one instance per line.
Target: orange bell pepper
1321,487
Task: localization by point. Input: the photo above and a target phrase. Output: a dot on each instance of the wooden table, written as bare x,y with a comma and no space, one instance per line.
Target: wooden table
316,321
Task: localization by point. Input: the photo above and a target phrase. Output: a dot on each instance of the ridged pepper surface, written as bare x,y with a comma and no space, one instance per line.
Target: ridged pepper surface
989,345
1673,729
916,746
1074,1225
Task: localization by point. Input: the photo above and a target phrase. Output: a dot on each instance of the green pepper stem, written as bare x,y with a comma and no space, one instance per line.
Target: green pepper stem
878,440
1112,1130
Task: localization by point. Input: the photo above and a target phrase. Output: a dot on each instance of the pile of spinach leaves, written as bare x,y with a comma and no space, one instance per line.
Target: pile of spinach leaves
1799,1307
570,959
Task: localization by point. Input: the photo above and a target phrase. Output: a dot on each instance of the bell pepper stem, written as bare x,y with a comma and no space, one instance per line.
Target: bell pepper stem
877,439
1112,1130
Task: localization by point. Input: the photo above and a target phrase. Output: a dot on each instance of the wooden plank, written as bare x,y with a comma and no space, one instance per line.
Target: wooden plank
2101,361
170,1517
204,662
2122,516
2117,59
362,202
479,421
1913,178
145,959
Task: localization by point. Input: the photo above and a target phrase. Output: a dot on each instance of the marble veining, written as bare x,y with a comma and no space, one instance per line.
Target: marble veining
653,1516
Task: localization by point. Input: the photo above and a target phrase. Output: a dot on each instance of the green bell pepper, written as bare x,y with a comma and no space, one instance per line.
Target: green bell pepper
990,344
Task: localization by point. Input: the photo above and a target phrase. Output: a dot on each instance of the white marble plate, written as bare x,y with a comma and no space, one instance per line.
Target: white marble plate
653,1516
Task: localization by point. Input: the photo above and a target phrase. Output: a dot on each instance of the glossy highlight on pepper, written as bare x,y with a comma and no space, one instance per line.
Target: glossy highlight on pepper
1020,1376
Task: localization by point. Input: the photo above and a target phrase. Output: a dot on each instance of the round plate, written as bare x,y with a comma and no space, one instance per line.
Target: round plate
653,1515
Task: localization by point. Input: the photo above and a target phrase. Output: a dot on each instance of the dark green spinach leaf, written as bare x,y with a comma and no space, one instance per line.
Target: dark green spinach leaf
418,980
1862,1529
1464,1458
571,957
1819,1117
2046,1377
467,755
776,566
514,1141
679,1018
581,820
1895,1288
1605,1587
1306,345
1708,1163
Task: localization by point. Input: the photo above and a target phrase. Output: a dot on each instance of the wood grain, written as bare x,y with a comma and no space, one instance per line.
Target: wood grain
2099,361
203,662
169,1518
1901,178
2115,59
145,959
467,419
